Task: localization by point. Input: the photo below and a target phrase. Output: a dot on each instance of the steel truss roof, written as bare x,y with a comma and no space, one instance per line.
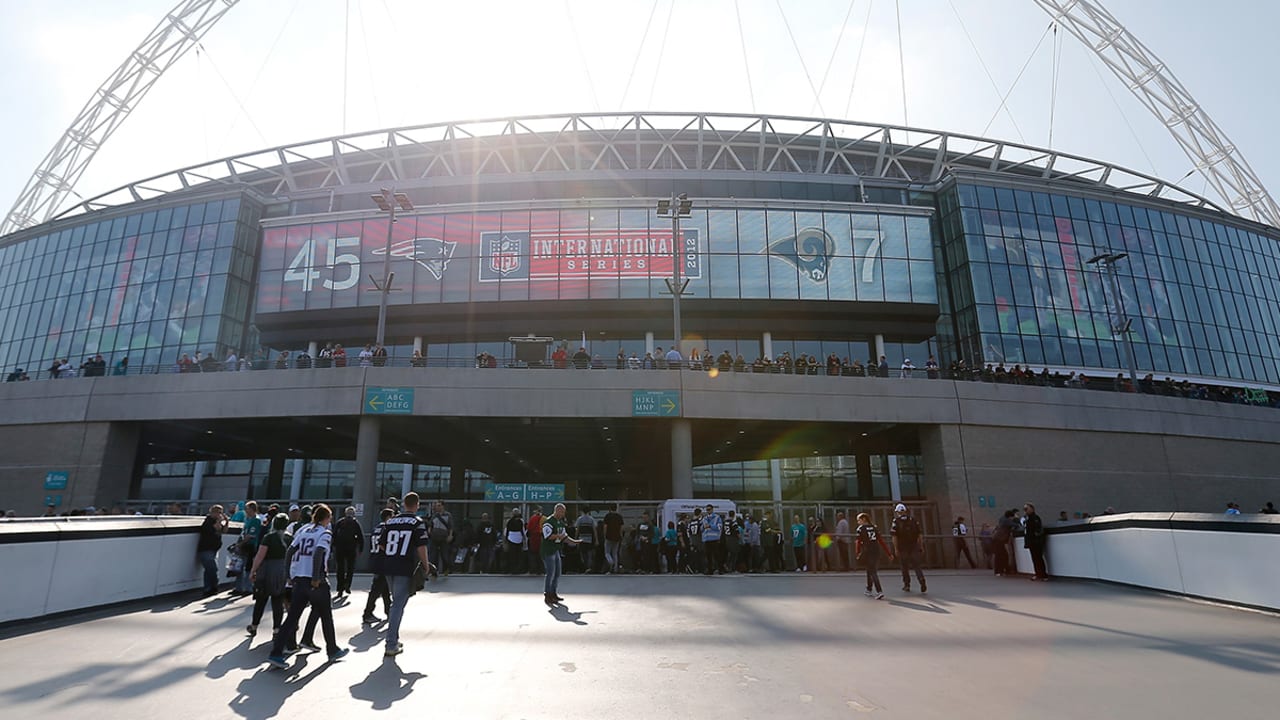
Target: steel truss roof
654,144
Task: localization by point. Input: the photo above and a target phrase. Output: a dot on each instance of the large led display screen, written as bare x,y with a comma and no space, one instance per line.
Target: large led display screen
598,254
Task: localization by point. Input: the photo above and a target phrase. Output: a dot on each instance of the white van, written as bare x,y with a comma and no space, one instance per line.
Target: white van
671,510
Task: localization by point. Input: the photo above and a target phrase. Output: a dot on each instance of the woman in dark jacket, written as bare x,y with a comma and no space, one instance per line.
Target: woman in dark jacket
270,574
1034,541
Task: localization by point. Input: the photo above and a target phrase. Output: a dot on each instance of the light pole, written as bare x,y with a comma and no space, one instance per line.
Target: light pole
678,206
1121,323
387,201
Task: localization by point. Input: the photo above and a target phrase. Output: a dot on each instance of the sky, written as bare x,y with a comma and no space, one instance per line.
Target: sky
273,72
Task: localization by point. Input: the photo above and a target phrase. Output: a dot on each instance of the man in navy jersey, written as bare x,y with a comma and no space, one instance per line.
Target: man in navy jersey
403,542
379,587
908,539
308,559
867,548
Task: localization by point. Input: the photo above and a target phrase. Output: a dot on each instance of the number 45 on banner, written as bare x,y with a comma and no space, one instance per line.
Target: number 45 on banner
303,267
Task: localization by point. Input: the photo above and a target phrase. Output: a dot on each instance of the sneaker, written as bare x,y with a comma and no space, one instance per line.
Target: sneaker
253,630
277,662
879,596
371,619
923,588
559,599
338,654
308,645
393,651
868,593
906,588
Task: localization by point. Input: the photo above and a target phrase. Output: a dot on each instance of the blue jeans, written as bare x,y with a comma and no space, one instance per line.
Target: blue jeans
401,588
209,561
553,565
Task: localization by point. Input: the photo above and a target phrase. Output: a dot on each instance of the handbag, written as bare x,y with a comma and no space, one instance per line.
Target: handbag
235,565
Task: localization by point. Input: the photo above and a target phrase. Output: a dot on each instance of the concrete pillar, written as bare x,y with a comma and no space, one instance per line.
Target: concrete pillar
879,343
197,480
946,475
406,480
295,481
457,480
365,492
648,342
417,343
313,349
775,482
275,477
681,459
895,486
766,344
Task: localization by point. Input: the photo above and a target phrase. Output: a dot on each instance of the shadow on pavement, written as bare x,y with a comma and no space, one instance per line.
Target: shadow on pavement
264,693
386,685
563,614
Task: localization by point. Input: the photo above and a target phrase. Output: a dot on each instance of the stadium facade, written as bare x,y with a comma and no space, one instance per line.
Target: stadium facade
806,237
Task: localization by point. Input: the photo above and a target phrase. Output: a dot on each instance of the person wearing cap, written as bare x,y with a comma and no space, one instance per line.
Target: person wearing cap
907,367
908,541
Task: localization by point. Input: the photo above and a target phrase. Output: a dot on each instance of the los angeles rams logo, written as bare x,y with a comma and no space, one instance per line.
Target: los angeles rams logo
810,250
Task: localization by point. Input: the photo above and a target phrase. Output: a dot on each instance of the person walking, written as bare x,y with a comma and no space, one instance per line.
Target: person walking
732,541
1000,542
403,542
960,537
799,538
1034,541
440,537
867,549
771,538
908,540
486,540
513,548
348,542
248,547
712,531
843,538
534,534
555,534
379,587
270,576
612,540
208,545
585,526
308,557
670,544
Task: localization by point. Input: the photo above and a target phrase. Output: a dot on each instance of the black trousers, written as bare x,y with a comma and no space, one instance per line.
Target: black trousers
1001,551
345,563
872,563
910,558
711,548
1037,560
379,589
962,547
318,599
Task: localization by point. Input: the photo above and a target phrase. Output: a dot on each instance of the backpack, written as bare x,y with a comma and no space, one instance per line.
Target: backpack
907,530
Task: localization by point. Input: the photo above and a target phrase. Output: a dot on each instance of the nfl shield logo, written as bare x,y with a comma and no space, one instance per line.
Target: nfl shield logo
504,255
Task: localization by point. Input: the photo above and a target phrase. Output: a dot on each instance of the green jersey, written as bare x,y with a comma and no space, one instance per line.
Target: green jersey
552,526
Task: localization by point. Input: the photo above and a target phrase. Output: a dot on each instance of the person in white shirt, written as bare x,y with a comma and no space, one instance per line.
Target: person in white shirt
366,356
308,559
907,367
232,362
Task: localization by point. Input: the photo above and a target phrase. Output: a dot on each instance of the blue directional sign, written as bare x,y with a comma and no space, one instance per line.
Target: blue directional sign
56,480
655,403
388,401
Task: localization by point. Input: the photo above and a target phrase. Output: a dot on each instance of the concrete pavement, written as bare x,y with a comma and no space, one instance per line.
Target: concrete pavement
792,646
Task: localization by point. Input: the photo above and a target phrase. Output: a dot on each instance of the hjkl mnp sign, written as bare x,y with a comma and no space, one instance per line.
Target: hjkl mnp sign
388,401
655,403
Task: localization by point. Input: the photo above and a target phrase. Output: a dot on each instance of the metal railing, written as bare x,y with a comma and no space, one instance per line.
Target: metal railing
1075,381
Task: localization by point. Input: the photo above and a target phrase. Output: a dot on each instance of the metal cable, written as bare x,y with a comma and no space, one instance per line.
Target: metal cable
261,68
662,51
742,41
902,65
817,99
582,56
1005,99
639,52
1053,83
994,86
373,87
857,63
839,39
200,47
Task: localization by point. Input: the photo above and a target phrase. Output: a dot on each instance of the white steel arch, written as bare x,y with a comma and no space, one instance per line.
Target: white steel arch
1147,77
58,173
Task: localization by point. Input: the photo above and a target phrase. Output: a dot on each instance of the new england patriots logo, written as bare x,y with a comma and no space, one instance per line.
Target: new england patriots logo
810,250
431,253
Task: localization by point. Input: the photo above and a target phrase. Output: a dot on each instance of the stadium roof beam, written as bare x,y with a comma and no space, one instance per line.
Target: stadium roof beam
58,173
1151,82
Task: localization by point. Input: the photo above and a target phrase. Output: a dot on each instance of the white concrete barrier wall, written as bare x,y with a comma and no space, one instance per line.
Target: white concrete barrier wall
76,563
1202,555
